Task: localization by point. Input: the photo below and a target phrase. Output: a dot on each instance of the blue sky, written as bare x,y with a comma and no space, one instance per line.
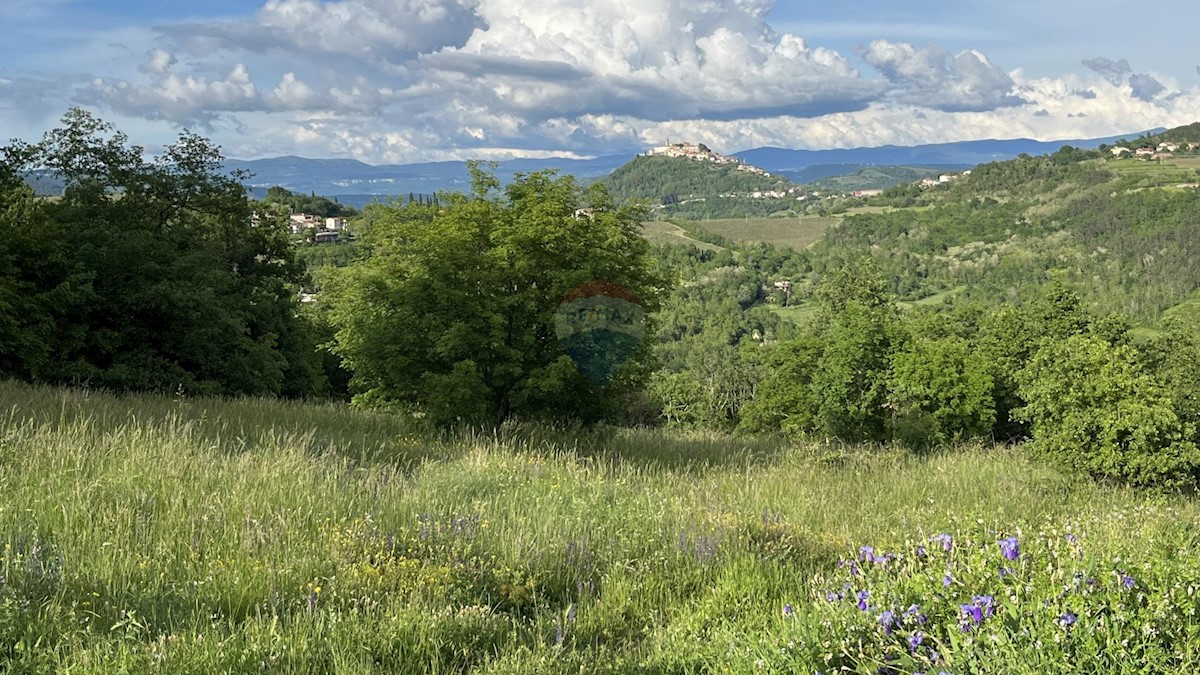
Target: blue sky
417,80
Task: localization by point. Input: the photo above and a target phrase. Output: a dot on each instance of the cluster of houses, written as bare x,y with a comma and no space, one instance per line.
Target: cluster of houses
943,179
1164,150
701,153
320,230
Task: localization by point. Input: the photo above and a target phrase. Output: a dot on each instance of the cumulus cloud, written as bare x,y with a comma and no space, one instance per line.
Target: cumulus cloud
158,62
375,30
934,78
410,80
653,59
1113,71
1145,87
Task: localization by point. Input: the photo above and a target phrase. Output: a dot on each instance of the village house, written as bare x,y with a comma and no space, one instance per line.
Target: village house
1168,146
335,224
1144,151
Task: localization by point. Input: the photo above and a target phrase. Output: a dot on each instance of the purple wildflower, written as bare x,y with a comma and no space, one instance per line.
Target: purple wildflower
831,597
972,615
945,540
1128,581
866,553
788,610
1006,571
1067,620
1072,539
947,580
914,641
1010,548
862,599
986,603
888,620
921,552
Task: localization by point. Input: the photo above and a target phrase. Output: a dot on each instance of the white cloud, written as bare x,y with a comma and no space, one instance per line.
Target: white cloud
412,80
934,78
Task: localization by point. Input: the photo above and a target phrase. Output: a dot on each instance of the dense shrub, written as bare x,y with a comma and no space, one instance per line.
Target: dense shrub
1094,408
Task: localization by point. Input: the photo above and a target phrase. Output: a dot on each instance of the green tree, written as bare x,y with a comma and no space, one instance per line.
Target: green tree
940,391
859,332
454,309
151,272
1094,408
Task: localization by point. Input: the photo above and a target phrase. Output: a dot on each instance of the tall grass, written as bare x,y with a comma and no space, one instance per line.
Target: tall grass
169,535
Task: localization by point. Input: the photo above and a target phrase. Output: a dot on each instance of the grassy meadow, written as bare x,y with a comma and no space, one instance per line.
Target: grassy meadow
173,535
797,232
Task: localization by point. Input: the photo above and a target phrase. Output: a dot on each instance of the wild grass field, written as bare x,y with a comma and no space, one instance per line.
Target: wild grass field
171,535
797,232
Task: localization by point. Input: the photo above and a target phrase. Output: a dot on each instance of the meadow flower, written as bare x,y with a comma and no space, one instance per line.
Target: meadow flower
1128,581
862,599
986,603
972,615
1067,620
921,552
1010,548
913,613
947,580
914,641
888,620
788,610
1072,539
945,540
1006,571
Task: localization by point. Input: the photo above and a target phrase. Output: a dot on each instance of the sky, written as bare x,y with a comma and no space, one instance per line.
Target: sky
401,81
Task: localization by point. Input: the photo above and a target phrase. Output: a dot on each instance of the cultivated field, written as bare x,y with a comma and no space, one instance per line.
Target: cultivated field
1183,169
663,233
795,232
142,535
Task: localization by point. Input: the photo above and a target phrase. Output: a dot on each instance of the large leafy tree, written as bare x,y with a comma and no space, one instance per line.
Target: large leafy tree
1093,406
145,274
453,312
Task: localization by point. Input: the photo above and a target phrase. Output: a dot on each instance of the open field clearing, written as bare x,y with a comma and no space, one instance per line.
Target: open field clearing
1168,172
662,233
795,232
203,536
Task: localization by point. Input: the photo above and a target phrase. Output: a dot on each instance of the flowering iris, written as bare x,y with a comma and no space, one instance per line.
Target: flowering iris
1010,548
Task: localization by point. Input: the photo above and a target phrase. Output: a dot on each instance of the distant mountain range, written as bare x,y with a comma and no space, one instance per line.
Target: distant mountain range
960,154
357,183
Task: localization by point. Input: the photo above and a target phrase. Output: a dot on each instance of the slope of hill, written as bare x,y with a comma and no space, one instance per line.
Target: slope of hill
681,185
877,178
1123,232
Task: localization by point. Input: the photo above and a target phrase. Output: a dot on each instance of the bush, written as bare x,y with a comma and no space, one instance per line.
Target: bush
1092,407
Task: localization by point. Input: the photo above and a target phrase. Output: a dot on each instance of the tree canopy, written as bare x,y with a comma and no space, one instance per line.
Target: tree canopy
146,275
454,310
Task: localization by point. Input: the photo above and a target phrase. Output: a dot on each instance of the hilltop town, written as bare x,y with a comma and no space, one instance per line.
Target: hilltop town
702,153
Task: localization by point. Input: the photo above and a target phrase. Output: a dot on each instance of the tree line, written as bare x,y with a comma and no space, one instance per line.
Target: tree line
540,300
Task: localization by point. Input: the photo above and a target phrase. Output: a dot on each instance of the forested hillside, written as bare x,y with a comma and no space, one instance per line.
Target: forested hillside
680,186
